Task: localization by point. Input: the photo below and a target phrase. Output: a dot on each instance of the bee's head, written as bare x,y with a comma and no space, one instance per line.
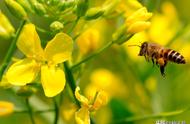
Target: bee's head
143,49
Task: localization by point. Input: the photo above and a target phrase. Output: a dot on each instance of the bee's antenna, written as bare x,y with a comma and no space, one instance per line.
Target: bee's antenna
134,45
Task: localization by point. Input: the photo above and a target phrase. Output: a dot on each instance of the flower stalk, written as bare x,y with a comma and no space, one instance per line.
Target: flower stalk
30,111
71,80
11,50
160,115
56,107
93,55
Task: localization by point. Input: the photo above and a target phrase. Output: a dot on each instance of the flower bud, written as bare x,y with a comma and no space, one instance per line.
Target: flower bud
25,5
140,15
38,7
94,13
138,27
16,9
82,7
54,2
56,26
62,5
6,29
134,4
110,5
70,3
65,4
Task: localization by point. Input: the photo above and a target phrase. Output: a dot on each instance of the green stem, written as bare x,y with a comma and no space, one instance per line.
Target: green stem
73,26
92,55
11,50
56,111
72,84
61,98
161,115
37,112
71,80
30,111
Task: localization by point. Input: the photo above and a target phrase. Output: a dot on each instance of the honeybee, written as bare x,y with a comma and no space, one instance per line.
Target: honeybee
161,55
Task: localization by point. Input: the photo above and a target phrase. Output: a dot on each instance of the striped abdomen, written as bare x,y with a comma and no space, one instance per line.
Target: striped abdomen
173,56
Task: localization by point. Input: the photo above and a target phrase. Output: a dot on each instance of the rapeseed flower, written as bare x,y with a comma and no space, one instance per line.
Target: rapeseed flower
107,81
137,21
82,116
88,41
37,60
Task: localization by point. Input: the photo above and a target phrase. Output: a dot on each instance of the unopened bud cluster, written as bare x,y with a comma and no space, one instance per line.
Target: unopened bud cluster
136,22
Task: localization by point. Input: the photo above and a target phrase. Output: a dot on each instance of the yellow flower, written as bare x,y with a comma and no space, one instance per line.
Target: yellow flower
166,22
57,50
138,26
137,21
105,80
87,105
140,15
128,6
6,108
88,41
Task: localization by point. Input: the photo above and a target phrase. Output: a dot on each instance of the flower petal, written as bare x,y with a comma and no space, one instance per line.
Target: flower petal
6,108
138,26
140,15
80,97
82,116
53,80
89,41
22,72
59,49
100,100
29,42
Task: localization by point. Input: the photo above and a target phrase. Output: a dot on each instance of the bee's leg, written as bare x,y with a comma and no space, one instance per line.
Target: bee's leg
145,57
162,64
153,62
162,68
148,59
148,56
153,56
165,62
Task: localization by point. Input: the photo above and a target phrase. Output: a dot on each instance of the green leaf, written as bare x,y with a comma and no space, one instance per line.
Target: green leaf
119,111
